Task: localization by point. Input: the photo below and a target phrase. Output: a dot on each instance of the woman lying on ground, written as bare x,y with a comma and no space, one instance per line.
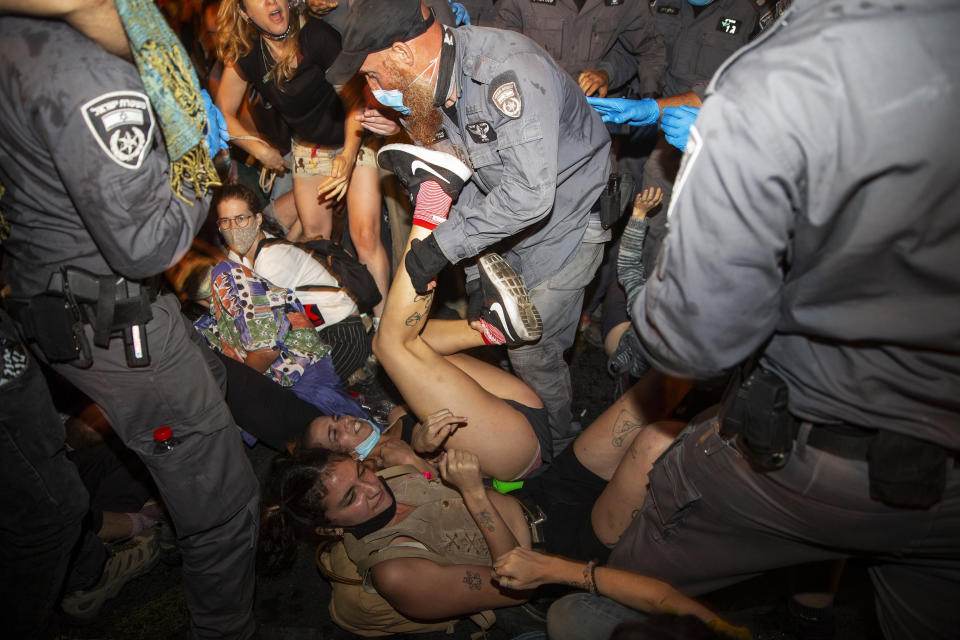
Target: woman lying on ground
481,408
429,549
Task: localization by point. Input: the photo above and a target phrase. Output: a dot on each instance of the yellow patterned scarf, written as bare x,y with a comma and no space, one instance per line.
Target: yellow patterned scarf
174,91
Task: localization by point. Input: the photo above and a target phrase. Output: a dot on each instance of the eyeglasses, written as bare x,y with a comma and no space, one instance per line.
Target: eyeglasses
239,221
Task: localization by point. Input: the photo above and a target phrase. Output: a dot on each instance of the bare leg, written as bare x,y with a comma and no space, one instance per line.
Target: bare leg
363,205
498,434
602,445
451,336
626,491
316,215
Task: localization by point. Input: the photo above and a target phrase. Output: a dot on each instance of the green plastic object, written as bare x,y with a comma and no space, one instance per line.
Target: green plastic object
506,487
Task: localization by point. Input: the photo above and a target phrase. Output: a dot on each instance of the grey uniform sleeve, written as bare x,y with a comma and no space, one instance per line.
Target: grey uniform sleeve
527,147
640,49
138,224
715,295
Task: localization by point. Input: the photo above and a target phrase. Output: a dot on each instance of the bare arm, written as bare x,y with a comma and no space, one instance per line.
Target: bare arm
462,469
689,99
420,588
525,569
96,19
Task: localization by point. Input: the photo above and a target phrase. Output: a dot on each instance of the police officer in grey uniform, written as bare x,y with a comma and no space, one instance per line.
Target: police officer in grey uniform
815,223
89,199
700,35
601,43
540,157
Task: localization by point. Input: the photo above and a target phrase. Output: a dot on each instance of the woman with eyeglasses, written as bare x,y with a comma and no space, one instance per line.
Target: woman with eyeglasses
264,43
262,323
331,308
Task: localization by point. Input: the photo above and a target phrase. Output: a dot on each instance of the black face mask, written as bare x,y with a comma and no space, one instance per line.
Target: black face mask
377,522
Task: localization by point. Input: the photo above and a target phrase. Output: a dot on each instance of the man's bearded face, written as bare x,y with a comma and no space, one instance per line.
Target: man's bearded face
425,117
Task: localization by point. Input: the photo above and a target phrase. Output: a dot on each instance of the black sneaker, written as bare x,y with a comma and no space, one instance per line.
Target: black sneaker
506,303
414,165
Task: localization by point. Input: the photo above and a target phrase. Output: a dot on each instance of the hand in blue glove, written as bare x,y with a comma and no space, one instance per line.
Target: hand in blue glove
676,123
217,136
636,113
460,13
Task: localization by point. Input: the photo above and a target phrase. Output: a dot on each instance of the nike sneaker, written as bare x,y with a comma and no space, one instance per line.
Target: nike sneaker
506,302
414,165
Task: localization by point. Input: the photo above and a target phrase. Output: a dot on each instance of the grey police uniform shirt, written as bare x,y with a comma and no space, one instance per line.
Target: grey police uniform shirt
83,163
698,45
818,207
539,152
616,36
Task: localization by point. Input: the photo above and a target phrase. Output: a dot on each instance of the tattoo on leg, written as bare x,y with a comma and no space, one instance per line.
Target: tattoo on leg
472,580
486,521
425,296
625,423
413,319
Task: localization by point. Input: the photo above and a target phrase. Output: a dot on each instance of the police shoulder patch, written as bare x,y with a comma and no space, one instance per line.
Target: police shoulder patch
482,132
122,124
505,94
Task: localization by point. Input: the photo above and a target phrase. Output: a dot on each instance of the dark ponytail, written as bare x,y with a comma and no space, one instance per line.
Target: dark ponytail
292,505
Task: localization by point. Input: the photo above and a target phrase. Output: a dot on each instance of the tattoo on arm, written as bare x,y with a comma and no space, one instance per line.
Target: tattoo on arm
413,319
625,423
472,580
485,520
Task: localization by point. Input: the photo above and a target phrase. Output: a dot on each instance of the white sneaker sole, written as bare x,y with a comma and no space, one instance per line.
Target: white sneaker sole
518,312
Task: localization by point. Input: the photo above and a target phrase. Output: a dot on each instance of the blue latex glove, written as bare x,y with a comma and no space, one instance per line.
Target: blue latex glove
676,123
636,113
217,136
460,13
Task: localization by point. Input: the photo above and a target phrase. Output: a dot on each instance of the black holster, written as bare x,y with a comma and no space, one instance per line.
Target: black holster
615,198
906,472
754,410
112,305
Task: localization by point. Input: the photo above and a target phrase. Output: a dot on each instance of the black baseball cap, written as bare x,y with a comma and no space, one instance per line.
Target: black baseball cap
374,25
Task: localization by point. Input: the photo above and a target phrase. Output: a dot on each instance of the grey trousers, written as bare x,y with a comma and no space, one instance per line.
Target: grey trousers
206,481
710,520
559,300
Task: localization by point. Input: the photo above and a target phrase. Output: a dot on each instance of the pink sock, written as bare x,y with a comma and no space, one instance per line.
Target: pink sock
433,205
490,333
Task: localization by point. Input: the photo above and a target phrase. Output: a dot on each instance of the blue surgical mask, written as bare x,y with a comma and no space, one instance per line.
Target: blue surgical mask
699,3
393,98
363,449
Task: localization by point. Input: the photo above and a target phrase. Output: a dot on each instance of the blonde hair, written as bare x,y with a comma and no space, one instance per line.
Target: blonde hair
236,38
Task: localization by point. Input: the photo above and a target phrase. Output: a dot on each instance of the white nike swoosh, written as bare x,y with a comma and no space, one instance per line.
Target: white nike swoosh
417,164
498,309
